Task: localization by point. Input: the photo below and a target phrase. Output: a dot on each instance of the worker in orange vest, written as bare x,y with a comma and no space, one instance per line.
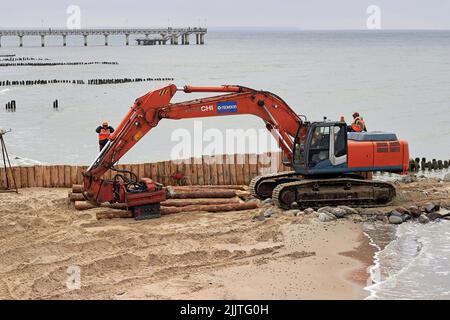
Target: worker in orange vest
358,124
104,131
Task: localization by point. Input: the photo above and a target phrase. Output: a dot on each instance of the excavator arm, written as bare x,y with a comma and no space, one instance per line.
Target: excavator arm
147,111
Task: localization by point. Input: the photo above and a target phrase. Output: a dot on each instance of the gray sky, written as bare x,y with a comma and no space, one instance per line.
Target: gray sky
313,14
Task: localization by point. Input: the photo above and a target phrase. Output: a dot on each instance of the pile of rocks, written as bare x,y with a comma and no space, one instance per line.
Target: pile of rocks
423,214
420,213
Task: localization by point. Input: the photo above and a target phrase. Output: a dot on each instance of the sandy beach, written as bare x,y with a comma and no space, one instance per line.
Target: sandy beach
183,256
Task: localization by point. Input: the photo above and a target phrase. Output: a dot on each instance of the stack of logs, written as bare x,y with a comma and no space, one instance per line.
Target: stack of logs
180,199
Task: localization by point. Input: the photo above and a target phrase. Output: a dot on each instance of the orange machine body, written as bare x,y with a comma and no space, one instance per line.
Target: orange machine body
378,155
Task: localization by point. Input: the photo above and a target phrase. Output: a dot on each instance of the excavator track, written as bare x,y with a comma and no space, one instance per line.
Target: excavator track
332,192
262,186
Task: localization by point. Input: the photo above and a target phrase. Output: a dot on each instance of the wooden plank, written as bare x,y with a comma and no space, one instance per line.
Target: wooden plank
232,169
219,168
67,177
246,169
2,178
73,175
30,177
147,170
239,160
154,171
206,170
53,176
253,165
213,171
39,176
166,177
141,170
24,177
60,176
16,171
46,177
225,170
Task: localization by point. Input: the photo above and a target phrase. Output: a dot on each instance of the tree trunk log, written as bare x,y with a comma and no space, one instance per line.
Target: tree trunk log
189,202
76,197
173,210
77,188
202,194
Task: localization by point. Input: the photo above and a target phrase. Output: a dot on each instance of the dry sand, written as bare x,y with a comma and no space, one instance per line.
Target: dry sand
192,256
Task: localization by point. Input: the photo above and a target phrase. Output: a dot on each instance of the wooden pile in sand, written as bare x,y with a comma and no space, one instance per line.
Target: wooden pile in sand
180,199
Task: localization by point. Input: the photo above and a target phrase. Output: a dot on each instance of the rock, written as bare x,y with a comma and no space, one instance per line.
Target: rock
423,219
294,205
395,219
402,210
339,213
292,212
259,216
326,216
430,207
408,179
269,212
325,209
300,214
381,217
395,213
433,216
309,211
415,211
349,210
406,217
446,178
267,201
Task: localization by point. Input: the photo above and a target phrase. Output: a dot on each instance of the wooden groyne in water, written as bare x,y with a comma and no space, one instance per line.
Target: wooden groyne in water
53,64
9,83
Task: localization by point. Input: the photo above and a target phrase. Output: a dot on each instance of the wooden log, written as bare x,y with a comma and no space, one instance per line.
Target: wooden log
202,194
141,171
67,177
76,197
207,187
61,177
199,169
16,173
30,176
239,160
84,205
232,168
117,214
246,169
211,208
2,178
147,171
225,170
174,210
154,171
167,173
46,177
206,170
79,175
253,165
38,176
213,170
77,188
24,177
207,201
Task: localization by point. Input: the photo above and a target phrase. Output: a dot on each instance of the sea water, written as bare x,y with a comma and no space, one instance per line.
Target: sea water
398,80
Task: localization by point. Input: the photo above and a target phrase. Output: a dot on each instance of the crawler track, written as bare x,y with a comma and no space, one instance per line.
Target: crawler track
262,186
330,192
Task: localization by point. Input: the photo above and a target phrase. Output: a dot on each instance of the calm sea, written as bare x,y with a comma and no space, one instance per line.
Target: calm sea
399,81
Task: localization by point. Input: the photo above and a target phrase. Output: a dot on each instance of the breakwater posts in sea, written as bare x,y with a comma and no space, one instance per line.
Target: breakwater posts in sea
13,58
237,169
52,64
56,104
11,106
8,83
418,164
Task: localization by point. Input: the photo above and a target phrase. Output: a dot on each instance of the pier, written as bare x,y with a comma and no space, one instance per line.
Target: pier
161,36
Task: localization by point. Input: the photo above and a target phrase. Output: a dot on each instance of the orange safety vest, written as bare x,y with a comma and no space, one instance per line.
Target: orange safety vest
104,134
358,124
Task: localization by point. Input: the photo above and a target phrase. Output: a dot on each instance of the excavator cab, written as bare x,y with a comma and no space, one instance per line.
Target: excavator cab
322,149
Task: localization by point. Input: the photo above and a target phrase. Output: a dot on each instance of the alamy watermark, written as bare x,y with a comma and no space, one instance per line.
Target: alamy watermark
73,282
74,19
374,19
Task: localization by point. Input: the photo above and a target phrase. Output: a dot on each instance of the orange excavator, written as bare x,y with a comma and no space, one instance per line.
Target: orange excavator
329,164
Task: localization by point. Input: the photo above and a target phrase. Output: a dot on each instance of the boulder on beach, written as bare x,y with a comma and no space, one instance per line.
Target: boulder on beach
308,211
267,201
349,210
430,207
292,212
446,178
423,219
393,219
326,216
415,211
338,212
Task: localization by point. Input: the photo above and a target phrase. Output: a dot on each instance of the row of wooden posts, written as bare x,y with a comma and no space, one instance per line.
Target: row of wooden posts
8,83
209,170
53,64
